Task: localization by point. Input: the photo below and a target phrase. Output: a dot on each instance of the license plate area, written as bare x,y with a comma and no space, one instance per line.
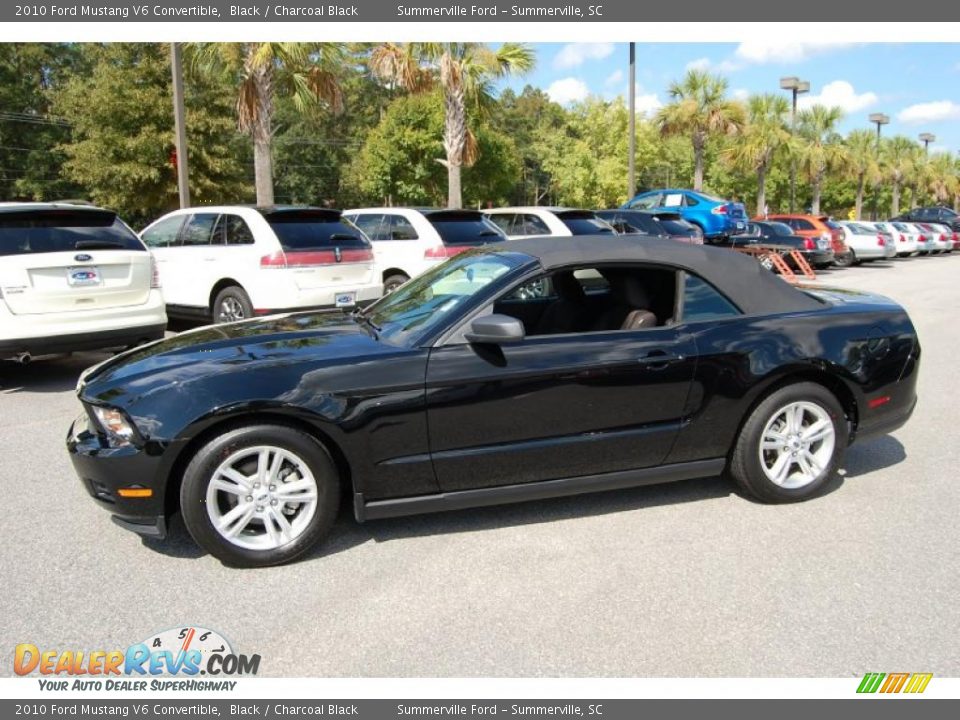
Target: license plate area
86,276
345,299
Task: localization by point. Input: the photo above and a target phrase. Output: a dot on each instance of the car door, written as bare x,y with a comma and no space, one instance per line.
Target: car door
161,239
186,266
555,406
397,248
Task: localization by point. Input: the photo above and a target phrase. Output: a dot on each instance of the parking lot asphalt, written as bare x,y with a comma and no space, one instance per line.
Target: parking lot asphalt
688,579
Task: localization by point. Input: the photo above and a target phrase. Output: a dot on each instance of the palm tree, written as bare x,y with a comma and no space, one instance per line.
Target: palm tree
897,161
305,72
863,166
823,149
465,72
700,110
943,177
764,135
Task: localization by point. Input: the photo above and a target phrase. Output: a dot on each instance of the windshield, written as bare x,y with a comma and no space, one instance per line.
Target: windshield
420,305
315,231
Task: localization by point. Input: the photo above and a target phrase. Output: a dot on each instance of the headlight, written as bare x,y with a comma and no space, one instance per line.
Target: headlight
115,424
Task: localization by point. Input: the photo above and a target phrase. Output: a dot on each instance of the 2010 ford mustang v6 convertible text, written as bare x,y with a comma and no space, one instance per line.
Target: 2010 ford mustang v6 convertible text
531,369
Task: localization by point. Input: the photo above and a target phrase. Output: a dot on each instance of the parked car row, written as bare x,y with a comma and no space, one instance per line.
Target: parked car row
75,277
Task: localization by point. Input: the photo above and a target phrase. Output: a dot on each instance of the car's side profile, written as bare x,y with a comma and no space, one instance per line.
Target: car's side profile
232,262
654,223
526,222
640,363
716,217
408,241
72,278
780,236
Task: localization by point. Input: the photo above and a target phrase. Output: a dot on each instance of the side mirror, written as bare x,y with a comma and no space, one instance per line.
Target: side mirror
495,330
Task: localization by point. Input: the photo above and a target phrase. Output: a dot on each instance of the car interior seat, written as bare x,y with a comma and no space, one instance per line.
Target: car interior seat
630,304
568,313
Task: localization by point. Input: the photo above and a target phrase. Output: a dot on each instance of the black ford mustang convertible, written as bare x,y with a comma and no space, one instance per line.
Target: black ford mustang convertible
512,372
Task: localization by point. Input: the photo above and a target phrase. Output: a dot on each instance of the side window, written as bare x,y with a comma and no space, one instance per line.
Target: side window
371,225
531,225
400,228
801,224
673,200
236,230
504,221
198,229
646,202
701,301
164,233
690,201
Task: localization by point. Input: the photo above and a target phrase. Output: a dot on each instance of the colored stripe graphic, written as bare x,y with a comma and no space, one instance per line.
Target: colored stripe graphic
894,682
918,682
870,682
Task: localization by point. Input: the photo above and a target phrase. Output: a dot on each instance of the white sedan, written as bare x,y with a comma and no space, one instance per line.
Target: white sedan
867,242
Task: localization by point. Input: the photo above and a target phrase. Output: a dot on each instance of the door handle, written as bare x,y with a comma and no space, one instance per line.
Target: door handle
658,358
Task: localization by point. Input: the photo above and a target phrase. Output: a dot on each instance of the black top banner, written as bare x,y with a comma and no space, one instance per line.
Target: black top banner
420,11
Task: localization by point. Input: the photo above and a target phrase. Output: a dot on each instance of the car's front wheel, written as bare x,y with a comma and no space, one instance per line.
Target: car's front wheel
792,443
260,495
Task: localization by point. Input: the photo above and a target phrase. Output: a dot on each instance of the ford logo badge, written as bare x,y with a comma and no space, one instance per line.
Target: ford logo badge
82,257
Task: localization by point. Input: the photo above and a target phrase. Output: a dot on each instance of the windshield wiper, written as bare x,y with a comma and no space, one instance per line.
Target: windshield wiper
359,316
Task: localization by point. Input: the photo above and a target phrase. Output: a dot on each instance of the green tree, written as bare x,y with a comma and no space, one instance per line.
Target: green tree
397,163
29,134
305,72
764,134
700,110
465,72
122,137
897,161
943,179
863,167
822,149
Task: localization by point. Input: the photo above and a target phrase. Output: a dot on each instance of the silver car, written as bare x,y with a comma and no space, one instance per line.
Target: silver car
867,242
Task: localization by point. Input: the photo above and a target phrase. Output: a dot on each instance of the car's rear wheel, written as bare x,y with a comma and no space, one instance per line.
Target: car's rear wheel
392,282
231,304
791,445
845,259
260,495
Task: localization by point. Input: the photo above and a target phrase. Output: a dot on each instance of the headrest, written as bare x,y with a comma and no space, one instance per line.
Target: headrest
567,286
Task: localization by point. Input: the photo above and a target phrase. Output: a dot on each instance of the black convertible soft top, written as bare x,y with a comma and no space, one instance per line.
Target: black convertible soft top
752,287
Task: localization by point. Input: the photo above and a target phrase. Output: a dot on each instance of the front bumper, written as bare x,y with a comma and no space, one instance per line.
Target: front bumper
104,470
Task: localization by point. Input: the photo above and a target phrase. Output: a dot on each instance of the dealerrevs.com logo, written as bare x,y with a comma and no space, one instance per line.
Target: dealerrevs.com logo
892,683
187,652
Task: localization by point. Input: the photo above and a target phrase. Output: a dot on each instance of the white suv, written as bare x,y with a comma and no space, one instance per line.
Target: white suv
408,241
523,222
73,278
231,263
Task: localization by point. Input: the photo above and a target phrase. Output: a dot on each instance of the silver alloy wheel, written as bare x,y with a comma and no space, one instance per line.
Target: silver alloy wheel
230,310
797,444
261,498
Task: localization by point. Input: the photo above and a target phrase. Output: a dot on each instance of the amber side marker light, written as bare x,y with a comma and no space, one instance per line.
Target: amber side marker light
135,492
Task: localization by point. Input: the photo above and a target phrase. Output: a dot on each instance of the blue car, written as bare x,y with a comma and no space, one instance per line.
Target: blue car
718,218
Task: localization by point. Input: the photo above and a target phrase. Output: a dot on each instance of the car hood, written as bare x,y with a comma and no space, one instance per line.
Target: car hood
232,347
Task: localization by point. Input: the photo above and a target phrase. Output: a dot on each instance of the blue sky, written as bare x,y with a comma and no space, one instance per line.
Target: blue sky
916,84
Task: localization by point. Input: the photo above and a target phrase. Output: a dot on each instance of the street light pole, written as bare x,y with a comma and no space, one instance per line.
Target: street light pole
926,138
632,124
180,125
878,119
796,87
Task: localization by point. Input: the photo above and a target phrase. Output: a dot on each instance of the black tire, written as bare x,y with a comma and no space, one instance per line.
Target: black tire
392,282
201,470
745,466
845,259
231,304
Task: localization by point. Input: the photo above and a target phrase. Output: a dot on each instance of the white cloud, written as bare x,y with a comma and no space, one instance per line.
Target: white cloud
647,104
699,64
929,112
841,94
614,78
741,94
568,90
775,50
576,54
